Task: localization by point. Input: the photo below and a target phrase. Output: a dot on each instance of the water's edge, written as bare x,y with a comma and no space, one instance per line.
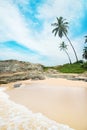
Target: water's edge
17,117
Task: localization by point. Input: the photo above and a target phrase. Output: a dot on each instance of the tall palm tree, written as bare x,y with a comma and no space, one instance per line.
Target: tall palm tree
61,28
63,47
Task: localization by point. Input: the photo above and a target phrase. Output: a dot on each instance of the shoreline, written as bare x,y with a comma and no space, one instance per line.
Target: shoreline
18,77
17,116
69,80
59,99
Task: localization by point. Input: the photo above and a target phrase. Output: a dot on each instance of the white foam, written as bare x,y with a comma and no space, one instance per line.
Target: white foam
17,117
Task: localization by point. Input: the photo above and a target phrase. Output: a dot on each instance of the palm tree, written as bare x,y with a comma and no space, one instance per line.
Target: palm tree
85,39
85,49
61,27
85,53
63,47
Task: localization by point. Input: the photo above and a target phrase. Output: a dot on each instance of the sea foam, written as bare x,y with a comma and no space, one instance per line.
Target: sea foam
17,117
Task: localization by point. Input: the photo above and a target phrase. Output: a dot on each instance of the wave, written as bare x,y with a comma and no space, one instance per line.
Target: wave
17,117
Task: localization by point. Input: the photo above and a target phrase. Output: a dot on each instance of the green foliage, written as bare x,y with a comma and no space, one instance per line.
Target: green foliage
45,68
61,27
73,68
84,65
79,67
80,61
85,53
85,49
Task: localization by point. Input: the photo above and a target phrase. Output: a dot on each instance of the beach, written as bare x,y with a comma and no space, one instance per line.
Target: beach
61,100
43,65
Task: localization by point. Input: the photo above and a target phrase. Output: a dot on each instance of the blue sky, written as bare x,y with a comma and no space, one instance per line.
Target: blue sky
26,31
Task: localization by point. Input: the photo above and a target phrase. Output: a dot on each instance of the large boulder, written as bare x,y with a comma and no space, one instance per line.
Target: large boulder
13,70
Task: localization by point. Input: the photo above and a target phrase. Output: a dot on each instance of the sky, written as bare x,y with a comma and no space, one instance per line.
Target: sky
26,31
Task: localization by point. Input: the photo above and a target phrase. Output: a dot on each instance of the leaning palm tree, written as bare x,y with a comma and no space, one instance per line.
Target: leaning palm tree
63,47
61,27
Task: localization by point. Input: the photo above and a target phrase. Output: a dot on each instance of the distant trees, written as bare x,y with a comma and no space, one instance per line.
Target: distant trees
63,47
61,29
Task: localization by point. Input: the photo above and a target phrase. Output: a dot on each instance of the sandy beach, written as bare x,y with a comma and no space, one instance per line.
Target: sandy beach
62,100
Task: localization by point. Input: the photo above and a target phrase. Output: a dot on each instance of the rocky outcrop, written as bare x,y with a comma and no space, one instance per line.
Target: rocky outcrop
10,66
70,76
13,70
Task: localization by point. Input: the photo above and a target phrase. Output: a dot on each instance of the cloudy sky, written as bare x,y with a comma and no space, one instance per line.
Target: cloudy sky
26,31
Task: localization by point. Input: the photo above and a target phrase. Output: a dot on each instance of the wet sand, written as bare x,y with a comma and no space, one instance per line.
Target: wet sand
64,101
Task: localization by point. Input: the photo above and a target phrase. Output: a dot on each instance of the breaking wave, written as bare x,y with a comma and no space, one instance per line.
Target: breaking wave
17,117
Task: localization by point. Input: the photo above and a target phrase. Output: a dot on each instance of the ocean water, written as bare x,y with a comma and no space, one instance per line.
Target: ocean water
17,117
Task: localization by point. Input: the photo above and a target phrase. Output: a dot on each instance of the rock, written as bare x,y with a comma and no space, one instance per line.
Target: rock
17,85
37,77
3,81
13,70
52,71
13,66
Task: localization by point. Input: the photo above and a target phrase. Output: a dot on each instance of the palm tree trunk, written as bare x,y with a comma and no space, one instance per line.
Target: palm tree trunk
72,47
68,56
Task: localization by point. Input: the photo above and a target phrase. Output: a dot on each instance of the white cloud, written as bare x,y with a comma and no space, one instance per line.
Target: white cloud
12,21
10,53
72,10
69,9
14,27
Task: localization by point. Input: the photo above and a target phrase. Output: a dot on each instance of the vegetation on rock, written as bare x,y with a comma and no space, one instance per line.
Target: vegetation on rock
77,67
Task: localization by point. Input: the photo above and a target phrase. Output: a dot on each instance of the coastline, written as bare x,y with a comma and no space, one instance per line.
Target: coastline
59,99
73,80
15,116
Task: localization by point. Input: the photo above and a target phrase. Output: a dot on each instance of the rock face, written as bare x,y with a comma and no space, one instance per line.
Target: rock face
13,70
18,66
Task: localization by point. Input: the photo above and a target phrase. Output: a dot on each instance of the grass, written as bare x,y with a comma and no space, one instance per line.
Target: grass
70,68
45,68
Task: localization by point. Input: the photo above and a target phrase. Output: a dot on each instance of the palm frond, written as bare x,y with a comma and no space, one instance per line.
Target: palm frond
54,24
55,31
61,27
63,46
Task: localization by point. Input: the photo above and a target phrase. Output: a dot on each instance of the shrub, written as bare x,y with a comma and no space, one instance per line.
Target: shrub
84,65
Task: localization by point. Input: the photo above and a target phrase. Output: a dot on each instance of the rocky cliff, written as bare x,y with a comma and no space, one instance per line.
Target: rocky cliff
13,70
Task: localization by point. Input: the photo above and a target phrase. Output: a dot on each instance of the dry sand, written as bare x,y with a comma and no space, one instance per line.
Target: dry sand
64,101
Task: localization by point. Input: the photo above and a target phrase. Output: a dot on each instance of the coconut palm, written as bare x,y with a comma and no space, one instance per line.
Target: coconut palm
63,47
85,49
85,53
85,39
61,28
